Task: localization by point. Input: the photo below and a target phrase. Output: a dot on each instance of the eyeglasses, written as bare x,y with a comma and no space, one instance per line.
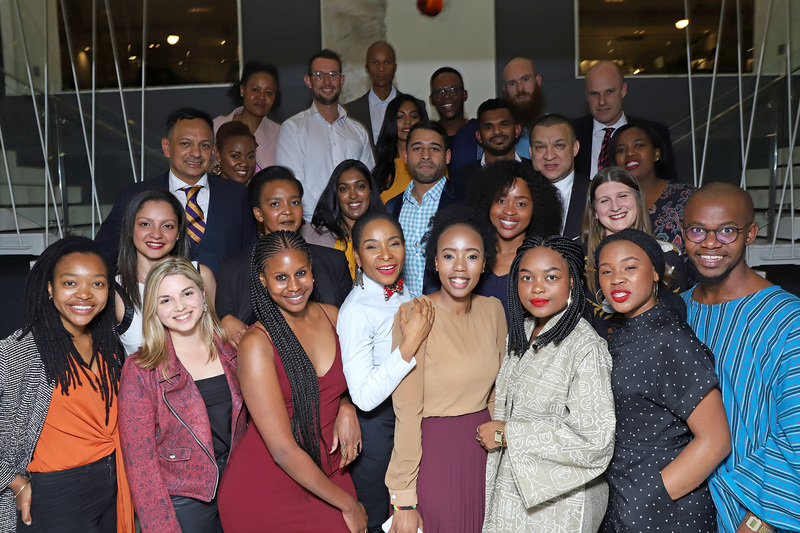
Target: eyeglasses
449,91
724,235
319,75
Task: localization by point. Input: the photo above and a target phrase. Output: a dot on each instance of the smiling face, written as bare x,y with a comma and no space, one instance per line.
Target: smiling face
450,105
544,283
288,279
426,156
180,304
259,94
155,230
498,132
615,206
511,213
553,151
79,290
407,116
627,278
381,252
459,260
635,153
238,159
326,90
189,149
279,207
353,190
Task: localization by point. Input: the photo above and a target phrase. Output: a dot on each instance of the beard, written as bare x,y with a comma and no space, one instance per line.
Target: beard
498,151
529,111
715,280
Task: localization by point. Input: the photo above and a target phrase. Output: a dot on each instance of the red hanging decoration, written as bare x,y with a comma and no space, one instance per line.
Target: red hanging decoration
430,8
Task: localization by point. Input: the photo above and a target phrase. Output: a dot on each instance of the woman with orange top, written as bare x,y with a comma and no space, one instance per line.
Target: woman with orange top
61,466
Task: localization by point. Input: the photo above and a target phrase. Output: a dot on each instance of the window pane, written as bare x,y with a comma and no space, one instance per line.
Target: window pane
205,51
641,35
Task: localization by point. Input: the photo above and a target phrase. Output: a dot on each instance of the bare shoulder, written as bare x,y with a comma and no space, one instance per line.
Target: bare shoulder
332,311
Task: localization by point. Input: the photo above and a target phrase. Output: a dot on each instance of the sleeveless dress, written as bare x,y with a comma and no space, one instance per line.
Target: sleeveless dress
257,495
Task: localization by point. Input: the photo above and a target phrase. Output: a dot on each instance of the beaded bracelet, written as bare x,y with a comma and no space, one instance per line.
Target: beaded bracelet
404,507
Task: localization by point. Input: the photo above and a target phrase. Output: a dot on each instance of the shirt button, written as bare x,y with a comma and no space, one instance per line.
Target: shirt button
172,456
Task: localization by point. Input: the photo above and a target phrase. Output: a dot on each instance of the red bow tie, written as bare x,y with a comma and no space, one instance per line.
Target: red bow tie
396,287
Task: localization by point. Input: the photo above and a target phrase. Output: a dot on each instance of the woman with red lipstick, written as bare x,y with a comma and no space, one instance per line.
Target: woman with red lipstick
373,369
672,430
519,202
181,408
437,470
153,227
257,93
614,202
59,375
350,193
639,149
552,434
288,472
235,152
390,172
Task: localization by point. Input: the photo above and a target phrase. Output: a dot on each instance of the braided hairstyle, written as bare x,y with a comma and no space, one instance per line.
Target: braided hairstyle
62,362
572,252
299,369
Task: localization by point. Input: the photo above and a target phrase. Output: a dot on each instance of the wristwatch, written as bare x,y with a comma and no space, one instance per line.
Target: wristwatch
755,524
499,433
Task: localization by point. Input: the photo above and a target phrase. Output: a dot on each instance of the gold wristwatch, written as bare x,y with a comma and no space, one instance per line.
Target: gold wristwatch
757,525
499,433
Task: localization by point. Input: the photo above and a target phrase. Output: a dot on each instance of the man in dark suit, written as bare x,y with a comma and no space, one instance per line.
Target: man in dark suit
605,89
426,157
276,199
553,151
370,108
220,204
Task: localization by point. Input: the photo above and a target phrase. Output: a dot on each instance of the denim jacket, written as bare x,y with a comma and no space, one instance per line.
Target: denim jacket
166,436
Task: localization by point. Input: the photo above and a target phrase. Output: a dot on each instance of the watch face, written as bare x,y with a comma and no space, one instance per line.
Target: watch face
753,523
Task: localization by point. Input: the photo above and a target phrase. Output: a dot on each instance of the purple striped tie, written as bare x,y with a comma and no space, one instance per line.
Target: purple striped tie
602,161
195,222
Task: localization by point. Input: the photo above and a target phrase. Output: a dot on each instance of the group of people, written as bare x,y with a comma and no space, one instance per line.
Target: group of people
362,318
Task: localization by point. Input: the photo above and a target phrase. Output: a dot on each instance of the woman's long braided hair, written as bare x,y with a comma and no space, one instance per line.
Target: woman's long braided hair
63,363
518,341
299,369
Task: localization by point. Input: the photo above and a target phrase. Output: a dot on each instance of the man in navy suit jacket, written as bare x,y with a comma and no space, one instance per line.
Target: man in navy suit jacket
426,157
605,89
187,143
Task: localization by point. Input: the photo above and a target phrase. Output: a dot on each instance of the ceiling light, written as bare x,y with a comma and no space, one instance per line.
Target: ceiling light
681,24
173,39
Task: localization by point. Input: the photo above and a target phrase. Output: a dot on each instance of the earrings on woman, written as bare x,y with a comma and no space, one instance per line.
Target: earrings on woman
217,169
359,278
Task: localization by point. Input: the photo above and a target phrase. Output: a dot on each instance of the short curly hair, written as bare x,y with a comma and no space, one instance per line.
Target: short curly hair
491,182
458,215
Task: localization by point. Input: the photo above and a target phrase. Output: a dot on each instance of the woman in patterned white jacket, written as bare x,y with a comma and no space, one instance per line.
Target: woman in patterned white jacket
553,430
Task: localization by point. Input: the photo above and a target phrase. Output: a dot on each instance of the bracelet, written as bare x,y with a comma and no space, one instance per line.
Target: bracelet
23,487
404,507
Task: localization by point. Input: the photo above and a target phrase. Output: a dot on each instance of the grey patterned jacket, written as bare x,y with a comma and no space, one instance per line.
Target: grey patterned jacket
24,399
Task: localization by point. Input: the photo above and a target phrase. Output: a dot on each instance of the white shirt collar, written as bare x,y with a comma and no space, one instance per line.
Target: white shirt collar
565,186
176,184
516,158
375,100
599,126
373,286
342,112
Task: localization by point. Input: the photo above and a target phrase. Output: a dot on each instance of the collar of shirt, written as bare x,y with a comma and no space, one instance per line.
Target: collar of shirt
565,186
598,127
317,115
434,193
372,286
516,158
375,101
176,184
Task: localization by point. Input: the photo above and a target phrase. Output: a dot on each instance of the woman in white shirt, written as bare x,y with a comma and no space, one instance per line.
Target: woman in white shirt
372,369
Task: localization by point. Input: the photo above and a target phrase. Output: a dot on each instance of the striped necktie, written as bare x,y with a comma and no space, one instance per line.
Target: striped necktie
195,222
602,161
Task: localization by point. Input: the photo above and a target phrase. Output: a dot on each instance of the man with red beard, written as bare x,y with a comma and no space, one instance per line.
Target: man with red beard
521,87
314,141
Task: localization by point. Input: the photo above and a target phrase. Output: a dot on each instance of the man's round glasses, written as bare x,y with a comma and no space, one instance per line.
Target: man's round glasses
319,75
442,93
724,234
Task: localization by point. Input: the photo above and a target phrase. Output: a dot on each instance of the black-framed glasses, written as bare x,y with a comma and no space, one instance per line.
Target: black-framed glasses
332,75
723,234
449,91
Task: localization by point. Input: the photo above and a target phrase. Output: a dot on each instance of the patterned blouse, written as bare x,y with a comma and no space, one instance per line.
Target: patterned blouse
666,214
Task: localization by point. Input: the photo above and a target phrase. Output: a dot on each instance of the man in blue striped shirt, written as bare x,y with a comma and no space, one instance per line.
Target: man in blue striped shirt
753,327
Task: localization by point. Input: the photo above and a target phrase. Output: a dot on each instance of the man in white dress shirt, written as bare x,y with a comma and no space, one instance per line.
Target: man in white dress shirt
553,151
313,142
370,108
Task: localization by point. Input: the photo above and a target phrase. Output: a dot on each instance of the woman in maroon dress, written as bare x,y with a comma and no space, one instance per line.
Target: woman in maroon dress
281,476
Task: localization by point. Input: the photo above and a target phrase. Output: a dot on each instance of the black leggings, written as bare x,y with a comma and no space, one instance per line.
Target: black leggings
81,499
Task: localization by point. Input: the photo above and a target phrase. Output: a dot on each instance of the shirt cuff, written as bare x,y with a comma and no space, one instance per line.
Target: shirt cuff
397,366
403,498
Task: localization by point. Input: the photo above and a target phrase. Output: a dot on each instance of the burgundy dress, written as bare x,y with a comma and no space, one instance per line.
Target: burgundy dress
258,495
